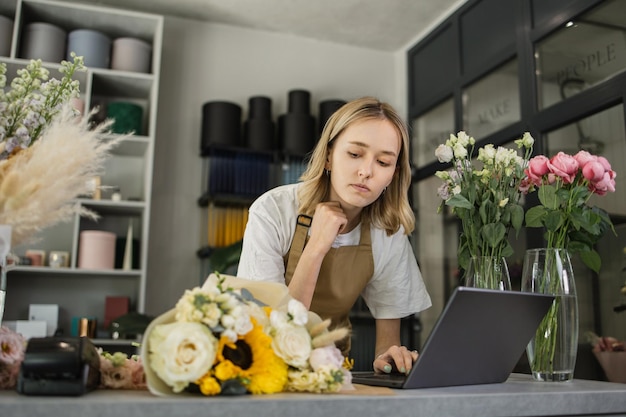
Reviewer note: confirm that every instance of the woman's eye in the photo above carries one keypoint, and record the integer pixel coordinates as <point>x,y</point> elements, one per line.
<point>353,155</point>
<point>384,164</point>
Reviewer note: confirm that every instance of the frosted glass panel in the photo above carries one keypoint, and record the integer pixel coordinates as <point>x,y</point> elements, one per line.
<point>429,131</point>
<point>493,102</point>
<point>587,51</point>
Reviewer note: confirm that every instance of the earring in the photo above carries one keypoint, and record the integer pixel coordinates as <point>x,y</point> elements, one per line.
<point>327,172</point>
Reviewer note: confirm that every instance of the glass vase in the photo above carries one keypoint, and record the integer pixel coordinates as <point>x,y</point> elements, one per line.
<point>489,272</point>
<point>552,351</point>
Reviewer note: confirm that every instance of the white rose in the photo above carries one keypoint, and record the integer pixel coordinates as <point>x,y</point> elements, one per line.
<point>293,345</point>
<point>326,356</point>
<point>181,353</point>
<point>444,153</point>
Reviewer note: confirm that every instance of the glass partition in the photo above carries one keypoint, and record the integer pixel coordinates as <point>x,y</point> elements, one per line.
<point>429,131</point>
<point>587,51</point>
<point>493,102</point>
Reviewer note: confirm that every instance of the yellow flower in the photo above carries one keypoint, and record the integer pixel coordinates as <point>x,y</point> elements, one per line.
<point>252,361</point>
<point>209,385</point>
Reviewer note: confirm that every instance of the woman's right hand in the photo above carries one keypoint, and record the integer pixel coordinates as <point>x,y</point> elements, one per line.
<point>329,219</point>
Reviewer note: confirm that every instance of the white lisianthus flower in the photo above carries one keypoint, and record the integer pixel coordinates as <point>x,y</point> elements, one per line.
<point>456,190</point>
<point>181,353</point>
<point>487,154</point>
<point>504,202</point>
<point>443,175</point>
<point>278,319</point>
<point>460,151</point>
<point>444,153</point>
<point>463,139</point>
<point>298,312</point>
<point>292,344</point>
<point>328,355</point>
<point>527,140</point>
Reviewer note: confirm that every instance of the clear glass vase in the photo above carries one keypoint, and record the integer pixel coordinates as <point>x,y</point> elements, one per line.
<point>489,272</point>
<point>552,351</point>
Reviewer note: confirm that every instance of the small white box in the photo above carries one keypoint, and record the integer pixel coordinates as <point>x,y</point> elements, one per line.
<point>45,312</point>
<point>31,328</point>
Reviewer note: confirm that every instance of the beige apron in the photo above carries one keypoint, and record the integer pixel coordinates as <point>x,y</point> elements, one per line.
<point>344,273</point>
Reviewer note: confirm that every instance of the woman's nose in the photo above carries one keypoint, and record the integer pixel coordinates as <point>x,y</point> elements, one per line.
<point>365,170</point>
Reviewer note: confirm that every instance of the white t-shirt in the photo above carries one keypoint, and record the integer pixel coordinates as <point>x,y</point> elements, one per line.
<point>396,290</point>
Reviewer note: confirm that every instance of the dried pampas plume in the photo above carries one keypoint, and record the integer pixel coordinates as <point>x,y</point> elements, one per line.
<point>321,336</point>
<point>39,185</point>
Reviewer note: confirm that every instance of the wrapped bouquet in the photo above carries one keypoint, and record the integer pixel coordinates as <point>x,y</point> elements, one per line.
<point>236,336</point>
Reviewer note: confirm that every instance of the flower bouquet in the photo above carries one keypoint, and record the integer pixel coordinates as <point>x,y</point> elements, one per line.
<point>236,336</point>
<point>564,184</point>
<point>486,198</point>
<point>611,354</point>
<point>12,347</point>
<point>118,371</point>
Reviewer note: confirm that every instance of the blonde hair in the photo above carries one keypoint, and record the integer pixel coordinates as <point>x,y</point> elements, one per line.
<point>392,208</point>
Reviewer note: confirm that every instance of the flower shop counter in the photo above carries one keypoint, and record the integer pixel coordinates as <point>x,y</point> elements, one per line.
<point>519,396</point>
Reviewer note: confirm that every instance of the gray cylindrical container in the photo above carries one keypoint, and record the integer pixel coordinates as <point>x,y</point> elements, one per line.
<point>92,45</point>
<point>43,41</point>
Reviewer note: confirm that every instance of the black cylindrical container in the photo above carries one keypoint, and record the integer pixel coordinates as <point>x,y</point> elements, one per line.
<point>299,101</point>
<point>327,108</point>
<point>221,125</point>
<point>259,131</point>
<point>296,128</point>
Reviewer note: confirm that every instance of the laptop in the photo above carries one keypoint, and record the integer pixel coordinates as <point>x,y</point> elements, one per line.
<point>478,339</point>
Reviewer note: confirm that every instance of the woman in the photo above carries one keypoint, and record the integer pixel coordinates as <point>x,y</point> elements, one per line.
<point>343,231</point>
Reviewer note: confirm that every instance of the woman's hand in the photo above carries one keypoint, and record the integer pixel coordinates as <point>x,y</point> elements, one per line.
<point>395,359</point>
<point>328,220</point>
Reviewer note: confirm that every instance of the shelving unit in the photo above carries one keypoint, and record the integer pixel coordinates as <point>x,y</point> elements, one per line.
<point>81,292</point>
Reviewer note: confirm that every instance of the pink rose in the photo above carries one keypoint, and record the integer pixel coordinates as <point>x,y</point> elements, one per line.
<point>584,157</point>
<point>593,171</point>
<point>326,356</point>
<point>564,166</point>
<point>605,163</point>
<point>537,168</point>
<point>606,184</point>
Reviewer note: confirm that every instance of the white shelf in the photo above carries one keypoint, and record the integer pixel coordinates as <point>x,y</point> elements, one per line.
<point>77,291</point>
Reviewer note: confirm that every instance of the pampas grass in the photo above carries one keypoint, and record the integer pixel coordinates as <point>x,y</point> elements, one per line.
<point>39,184</point>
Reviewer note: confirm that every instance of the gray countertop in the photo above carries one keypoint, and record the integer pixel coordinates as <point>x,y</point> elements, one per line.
<point>519,396</point>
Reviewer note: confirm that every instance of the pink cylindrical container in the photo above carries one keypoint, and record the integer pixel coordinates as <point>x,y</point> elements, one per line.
<point>96,250</point>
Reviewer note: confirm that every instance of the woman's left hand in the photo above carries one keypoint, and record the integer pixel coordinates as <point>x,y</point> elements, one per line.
<point>395,359</point>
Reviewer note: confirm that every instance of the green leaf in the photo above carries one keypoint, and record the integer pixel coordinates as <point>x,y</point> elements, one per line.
<point>548,197</point>
<point>592,260</point>
<point>517,216</point>
<point>493,233</point>
<point>458,200</point>
<point>535,215</point>
<point>554,220</point>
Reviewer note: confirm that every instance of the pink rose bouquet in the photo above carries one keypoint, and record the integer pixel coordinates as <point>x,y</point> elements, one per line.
<point>118,371</point>
<point>12,346</point>
<point>565,183</point>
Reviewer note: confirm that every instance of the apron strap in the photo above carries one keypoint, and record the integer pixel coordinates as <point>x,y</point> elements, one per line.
<point>297,245</point>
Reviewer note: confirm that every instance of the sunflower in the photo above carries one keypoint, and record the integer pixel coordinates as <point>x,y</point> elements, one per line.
<point>252,362</point>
